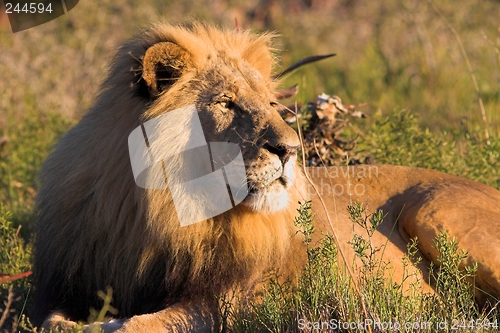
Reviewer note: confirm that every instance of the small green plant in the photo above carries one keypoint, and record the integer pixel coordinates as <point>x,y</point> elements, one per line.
<point>363,247</point>
<point>304,222</point>
<point>14,259</point>
<point>387,301</point>
<point>454,282</point>
<point>315,286</point>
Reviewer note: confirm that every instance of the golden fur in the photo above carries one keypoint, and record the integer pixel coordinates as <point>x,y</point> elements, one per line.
<point>96,228</point>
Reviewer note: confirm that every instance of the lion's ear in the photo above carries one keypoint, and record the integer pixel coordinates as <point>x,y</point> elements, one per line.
<point>162,65</point>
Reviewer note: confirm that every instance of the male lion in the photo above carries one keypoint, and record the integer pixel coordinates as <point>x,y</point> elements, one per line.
<point>96,228</point>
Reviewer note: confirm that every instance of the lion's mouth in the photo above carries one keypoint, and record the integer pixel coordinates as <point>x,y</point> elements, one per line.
<point>276,179</point>
<point>272,198</point>
<point>281,181</point>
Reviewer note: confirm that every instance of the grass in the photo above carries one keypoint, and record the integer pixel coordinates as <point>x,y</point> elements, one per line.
<point>29,138</point>
<point>15,258</point>
<point>397,138</point>
<point>401,63</point>
<point>325,299</point>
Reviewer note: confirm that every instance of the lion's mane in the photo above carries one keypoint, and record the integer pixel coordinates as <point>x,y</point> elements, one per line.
<point>96,228</point>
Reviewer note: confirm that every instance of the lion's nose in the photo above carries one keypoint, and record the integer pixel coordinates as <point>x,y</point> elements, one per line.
<point>283,151</point>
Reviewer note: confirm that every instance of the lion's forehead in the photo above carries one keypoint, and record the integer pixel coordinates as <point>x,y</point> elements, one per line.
<point>238,77</point>
<point>253,77</point>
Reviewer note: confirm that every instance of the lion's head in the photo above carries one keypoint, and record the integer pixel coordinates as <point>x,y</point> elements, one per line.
<point>229,81</point>
<point>96,228</point>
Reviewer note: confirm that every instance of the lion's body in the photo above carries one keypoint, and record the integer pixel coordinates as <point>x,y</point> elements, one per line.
<point>416,203</point>
<point>96,228</point>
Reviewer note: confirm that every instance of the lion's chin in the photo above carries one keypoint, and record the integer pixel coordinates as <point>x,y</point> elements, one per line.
<point>276,196</point>
<point>269,200</point>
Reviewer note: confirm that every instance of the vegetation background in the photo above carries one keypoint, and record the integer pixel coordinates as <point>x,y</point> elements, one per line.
<point>419,69</point>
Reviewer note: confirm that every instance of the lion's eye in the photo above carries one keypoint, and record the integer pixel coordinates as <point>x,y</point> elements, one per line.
<point>274,104</point>
<point>225,104</point>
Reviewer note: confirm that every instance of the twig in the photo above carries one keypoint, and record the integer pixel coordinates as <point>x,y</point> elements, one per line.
<point>496,51</point>
<point>7,278</point>
<point>469,67</point>
<point>8,304</point>
<point>21,314</point>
